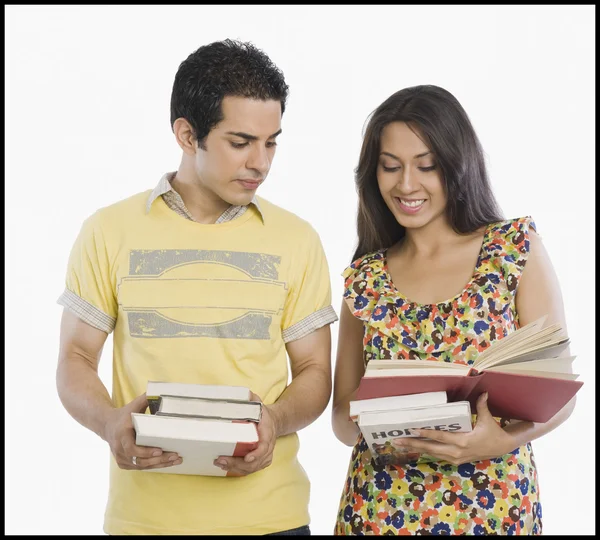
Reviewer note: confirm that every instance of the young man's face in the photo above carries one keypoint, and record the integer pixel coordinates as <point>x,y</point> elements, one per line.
<point>238,152</point>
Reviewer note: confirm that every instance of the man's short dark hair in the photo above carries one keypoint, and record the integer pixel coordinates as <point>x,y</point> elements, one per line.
<point>220,69</point>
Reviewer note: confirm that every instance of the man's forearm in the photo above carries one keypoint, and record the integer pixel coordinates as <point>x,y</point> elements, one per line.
<point>303,401</point>
<point>83,394</point>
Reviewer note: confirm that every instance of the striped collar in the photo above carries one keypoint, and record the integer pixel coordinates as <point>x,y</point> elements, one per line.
<point>174,201</point>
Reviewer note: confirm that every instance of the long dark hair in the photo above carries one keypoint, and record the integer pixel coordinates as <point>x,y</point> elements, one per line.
<point>440,119</point>
<point>220,69</point>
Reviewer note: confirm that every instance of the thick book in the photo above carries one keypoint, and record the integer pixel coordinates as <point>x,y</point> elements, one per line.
<point>391,403</point>
<point>200,422</point>
<point>219,409</point>
<point>523,373</point>
<point>156,389</point>
<point>380,429</point>
<point>199,441</point>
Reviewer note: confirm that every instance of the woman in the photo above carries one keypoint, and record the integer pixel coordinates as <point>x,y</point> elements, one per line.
<point>438,274</point>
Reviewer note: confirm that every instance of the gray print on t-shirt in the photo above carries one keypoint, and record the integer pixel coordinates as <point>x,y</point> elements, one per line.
<point>157,303</point>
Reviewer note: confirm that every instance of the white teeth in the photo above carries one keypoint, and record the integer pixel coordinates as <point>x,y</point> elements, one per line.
<point>412,204</point>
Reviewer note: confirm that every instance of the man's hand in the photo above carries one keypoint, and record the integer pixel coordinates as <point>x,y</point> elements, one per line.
<point>487,440</point>
<point>259,458</point>
<point>120,435</point>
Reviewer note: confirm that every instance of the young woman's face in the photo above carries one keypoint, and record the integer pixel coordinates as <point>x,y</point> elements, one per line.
<point>409,178</point>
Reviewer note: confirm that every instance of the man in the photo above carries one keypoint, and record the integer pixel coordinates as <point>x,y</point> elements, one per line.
<point>203,282</point>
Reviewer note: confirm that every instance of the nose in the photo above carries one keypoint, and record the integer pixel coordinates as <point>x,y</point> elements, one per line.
<point>406,182</point>
<point>259,160</point>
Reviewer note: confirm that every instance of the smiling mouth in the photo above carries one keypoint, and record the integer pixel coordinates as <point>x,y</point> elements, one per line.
<point>412,203</point>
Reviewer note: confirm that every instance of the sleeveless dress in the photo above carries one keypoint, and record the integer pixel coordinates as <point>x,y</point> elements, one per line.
<point>494,496</point>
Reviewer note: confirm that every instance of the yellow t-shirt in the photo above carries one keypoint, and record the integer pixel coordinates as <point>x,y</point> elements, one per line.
<point>207,304</point>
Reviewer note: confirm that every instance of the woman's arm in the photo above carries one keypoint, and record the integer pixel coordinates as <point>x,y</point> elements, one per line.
<point>349,368</point>
<point>538,294</point>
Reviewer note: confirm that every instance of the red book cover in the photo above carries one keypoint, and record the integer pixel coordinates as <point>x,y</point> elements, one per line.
<point>456,386</point>
<point>510,395</point>
<point>523,397</point>
<point>243,448</point>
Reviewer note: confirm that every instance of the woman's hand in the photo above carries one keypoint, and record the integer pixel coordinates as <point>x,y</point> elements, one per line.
<point>487,440</point>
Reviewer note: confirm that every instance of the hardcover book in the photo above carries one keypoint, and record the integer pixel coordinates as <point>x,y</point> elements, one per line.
<point>198,441</point>
<point>391,403</point>
<point>200,423</point>
<point>523,373</point>
<point>219,409</point>
<point>381,429</point>
<point>156,389</point>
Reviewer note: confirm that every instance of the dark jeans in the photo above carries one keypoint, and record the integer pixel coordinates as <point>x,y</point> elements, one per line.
<point>300,531</point>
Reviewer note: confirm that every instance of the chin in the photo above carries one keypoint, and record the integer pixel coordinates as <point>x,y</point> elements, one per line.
<point>239,199</point>
<point>412,222</point>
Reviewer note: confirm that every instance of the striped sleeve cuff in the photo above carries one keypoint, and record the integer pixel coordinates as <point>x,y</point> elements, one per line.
<point>87,312</point>
<point>309,324</point>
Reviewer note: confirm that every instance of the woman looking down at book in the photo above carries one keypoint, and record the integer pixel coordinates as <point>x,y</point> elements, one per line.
<point>438,275</point>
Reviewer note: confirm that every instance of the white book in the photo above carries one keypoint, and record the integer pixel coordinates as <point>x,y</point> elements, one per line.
<point>209,408</point>
<point>156,389</point>
<point>216,391</point>
<point>396,402</point>
<point>379,429</point>
<point>198,441</point>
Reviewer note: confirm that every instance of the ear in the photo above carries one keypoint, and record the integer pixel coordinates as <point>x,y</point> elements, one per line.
<point>185,136</point>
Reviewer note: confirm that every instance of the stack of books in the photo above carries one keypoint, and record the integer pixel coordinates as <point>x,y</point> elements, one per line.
<point>382,420</point>
<point>199,422</point>
<point>524,374</point>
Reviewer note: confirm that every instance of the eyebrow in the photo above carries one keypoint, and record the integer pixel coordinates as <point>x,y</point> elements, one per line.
<point>396,157</point>
<point>249,137</point>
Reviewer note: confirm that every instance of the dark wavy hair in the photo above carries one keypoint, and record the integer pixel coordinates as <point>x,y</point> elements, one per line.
<point>438,117</point>
<point>220,69</point>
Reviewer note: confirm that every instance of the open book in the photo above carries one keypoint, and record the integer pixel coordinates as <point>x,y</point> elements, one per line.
<point>200,423</point>
<point>524,375</point>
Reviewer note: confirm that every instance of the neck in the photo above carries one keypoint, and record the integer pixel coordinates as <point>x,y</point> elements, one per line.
<point>204,205</point>
<point>427,241</point>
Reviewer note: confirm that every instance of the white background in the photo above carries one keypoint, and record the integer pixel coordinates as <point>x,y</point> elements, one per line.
<point>87,124</point>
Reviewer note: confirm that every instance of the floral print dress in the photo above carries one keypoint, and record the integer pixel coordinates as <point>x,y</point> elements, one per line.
<point>494,496</point>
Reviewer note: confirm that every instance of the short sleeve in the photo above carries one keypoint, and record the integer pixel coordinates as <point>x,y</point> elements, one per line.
<point>89,292</point>
<point>511,246</point>
<point>308,303</point>
<point>361,284</point>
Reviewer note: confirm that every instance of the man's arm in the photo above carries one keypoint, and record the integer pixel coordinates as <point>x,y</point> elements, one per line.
<point>300,404</point>
<point>79,387</point>
<point>86,399</point>
<point>305,399</point>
